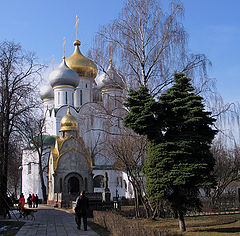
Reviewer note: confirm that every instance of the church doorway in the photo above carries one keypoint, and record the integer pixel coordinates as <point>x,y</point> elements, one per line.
<point>73,185</point>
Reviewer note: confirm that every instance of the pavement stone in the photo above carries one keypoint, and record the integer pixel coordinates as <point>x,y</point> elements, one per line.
<point>52,222</point>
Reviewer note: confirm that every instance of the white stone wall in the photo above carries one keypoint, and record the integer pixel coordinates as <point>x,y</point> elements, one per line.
<point>63,96</point>
<point>117,183</point>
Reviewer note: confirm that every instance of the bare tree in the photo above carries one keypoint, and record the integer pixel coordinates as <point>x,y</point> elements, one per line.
<point>150,45</point>
<point>128,152</point>
<point>227,166</point>
<point>18,78</point>
<point>39,145</point>
<point>14,163</point>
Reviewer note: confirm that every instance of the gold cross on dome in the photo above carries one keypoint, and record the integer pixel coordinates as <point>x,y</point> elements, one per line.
<point>64,43</point>
<point>76,26</point>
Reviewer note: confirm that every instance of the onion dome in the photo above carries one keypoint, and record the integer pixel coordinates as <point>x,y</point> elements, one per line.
<point>63,76</point>
<point>46,92</point>
<point>81,64</point>
<point>68,122</point>
<point>110,79</point>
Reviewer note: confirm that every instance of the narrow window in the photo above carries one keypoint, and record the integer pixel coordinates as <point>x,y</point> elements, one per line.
<point>66,98</point>
<point>86,184</point>
<point>86,85</point>
<point>29,168</point>
<point>115,101</point>
<point>58,98</point>
<point>72,99</point>
<point>60,185</point>
<point>80,97</point>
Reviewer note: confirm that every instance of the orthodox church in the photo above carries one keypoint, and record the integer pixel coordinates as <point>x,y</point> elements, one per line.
<point>82,110</point>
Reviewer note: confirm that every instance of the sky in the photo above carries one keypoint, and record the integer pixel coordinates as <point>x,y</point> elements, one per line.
<point>213,27</point>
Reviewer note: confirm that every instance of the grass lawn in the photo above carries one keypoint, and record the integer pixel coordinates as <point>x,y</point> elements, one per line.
<point>195,225</point>
<point>199,225</point>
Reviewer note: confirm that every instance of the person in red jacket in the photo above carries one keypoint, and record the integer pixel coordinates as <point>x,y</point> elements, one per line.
<point>21,204</point>
<point>33,201</point>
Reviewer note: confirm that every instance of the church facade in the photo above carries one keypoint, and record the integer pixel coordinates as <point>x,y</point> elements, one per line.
<point>82,111</point>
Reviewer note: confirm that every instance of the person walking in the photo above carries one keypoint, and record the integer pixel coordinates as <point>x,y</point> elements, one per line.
<point>82,205</point>
<point>29,201</point>
<point>36,201</point>
<point>21,204</point>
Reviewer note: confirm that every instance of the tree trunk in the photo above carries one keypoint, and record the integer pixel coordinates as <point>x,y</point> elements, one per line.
<point>155,213</point>
<point>43,186</point>
<point>136,202</point>
<point>181,221</point>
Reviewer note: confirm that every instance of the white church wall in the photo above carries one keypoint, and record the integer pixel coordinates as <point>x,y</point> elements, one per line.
<point>30,174</point>
<point>118,183</point>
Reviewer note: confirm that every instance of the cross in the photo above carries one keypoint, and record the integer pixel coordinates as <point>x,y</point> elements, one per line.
<point>64,43</point>
<point>76,26</point>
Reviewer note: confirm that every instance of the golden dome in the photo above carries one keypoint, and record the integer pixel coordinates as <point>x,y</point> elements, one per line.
<point>81,64</point>
<point>68,122</point>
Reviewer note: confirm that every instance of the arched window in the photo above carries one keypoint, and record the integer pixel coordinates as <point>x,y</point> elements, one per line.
<point>98,181</point>
<point>125,185</point>
<point>81,99</point>
<point>29,168</point>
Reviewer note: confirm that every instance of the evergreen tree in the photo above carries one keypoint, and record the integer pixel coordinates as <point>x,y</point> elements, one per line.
<point>179,161</point>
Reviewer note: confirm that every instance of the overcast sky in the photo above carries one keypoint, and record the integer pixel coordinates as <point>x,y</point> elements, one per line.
<point>40,26</point>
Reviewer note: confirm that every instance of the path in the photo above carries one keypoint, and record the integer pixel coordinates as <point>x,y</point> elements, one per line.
<point>52,222</point>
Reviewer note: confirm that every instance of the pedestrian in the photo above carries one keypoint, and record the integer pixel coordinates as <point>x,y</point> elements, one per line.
<point>81,208</point>
<point>36,200</point>
<point>33,200</point>
<point>29,201</point>
<point>21,204</point>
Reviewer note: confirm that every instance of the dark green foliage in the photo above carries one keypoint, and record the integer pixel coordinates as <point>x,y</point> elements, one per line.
<point>179,132</point>
<point>141,118</point>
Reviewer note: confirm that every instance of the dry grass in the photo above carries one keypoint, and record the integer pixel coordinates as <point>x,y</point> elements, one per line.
<point>100,230</point>
<point>198,225</point>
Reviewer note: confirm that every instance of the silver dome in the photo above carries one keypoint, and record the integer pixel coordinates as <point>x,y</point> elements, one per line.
<point>63,75</point>
<point>111,79</point>
<point>46,92</point>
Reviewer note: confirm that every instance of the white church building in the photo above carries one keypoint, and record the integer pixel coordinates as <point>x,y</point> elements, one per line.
<point>81,111</point>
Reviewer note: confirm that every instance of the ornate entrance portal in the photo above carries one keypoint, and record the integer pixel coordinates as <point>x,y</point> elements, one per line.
<point>73,185</point>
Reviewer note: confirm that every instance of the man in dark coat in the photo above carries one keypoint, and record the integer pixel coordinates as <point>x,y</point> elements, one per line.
<point>81,208</point>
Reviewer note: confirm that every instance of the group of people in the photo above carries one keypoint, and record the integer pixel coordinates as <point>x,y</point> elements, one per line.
<point>82,205</point>
<point>32,201</point>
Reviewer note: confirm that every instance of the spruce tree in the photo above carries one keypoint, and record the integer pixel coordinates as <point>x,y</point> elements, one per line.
<point>179,161</point>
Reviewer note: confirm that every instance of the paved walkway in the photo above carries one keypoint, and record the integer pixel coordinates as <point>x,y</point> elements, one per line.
<point>52,222</point>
